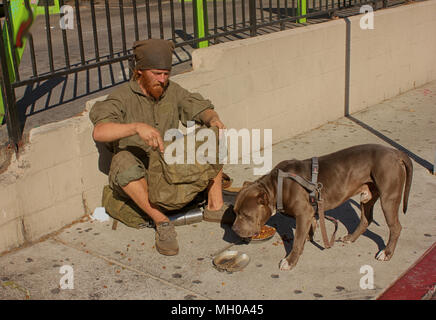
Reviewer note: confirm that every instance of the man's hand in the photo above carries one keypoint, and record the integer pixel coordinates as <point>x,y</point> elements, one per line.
<point>211,119</point>
<point>217,123</point>
<point>150,135</point>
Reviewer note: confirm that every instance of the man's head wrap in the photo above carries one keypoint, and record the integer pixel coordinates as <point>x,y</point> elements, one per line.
<point>153,54</point>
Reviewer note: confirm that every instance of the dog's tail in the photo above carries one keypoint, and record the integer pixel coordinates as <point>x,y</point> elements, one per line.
<point>409,174</point>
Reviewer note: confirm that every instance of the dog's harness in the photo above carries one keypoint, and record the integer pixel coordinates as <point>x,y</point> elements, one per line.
<point>314,187</point>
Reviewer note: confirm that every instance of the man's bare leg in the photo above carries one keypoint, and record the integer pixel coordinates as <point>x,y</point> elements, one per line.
<point>214,193</point>
<point>166,241</point>
<point>137,190</point>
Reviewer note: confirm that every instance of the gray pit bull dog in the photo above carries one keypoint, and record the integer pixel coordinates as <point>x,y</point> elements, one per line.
<point>371,170</point>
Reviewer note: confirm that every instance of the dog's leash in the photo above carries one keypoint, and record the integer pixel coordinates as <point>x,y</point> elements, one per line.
<point>317,203</point>
<point>314,187</point>
<point>327,244</point>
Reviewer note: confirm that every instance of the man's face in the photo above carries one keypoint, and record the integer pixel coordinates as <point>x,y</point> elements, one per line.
<point>154,81</point>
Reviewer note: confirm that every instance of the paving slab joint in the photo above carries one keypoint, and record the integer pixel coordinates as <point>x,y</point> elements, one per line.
<point>145,274</point>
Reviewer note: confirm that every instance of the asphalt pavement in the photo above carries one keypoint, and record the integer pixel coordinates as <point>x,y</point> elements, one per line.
<point>88,260</point>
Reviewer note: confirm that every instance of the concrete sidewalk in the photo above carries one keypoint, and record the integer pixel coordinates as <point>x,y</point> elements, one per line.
<point>124,264</point>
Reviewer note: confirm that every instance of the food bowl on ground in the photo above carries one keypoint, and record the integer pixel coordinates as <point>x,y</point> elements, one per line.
<point>265,233</point>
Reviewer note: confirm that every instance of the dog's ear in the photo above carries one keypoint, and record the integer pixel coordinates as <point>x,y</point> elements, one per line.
<point>262,198</point>
<point>246,183</point>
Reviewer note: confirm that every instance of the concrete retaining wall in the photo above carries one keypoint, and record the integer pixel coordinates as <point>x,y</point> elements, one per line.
<point>57,179</point>
<point>291,81</point>
<point>398,55</point>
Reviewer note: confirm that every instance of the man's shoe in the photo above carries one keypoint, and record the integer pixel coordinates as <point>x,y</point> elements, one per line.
<point>224,215</point>
<point>166,239</point>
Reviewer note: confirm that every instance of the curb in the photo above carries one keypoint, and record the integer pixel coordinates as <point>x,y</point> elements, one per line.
<point>418,282</point>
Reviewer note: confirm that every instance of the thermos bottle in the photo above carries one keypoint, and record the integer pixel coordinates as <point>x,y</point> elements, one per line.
<point>187,217</point>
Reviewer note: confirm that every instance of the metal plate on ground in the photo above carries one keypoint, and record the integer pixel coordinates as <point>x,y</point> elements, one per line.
<point>231,261</point>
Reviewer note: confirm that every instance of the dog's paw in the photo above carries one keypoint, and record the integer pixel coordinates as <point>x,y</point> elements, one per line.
<point>284,265</point>
<point>346,239</point>
<point>383,256</point>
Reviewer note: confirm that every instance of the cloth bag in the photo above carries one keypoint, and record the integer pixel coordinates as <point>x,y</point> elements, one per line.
<point>171,186</point>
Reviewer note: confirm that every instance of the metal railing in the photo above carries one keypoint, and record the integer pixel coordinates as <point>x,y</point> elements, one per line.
<point>104,31</point>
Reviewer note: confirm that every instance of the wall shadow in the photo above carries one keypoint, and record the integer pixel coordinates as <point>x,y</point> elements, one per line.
<point>422,162</point>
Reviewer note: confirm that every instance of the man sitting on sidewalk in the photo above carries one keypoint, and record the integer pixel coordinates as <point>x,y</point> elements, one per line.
<point>134,118</point>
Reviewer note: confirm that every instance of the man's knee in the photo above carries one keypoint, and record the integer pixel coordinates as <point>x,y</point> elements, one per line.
<point>125,168</point>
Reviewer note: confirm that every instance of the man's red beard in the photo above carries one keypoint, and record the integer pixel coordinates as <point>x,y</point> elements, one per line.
<point>152,87</point>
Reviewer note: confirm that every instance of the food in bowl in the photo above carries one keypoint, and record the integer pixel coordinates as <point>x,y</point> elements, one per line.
<point>265,233</point>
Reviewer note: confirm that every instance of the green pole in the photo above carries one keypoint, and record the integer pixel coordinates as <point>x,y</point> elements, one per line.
<point>301,10</point>
<point>202,23</point>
